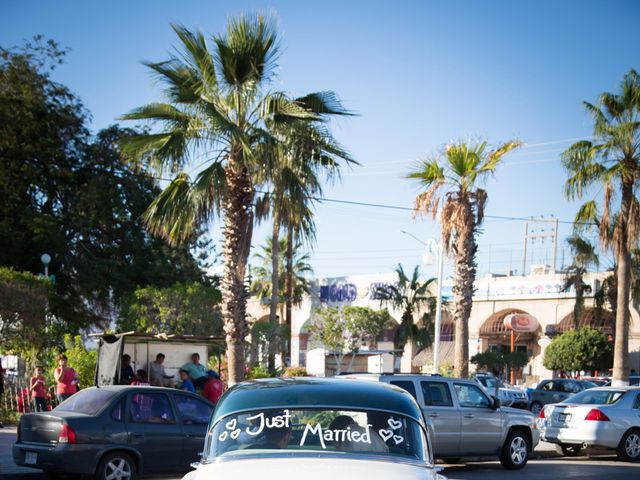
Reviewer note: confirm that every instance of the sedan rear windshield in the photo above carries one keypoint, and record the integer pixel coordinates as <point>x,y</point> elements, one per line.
<point>317,431</point>
<point>596,397</point>
<point>89,401</point>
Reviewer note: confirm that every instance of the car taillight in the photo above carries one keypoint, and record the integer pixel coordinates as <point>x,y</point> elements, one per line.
<point>66,435</point>
<point>597,415</point>
<point>541,413</point>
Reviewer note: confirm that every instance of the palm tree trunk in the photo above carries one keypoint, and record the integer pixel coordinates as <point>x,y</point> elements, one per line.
<point>273,308</point>
<point>465,275</point>
<point>238,230</point>
<point>288,286</point>
<point>621,345</point>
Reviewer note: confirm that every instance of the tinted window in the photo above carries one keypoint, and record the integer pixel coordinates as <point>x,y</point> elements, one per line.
<point>89,401</point>
<point>570,387</point>
<point>634,381</point>
<point>117,413</point>
<point>406,385</point>
<point>150,408</point>
<point>547,386</point>
<point>637,402</point>
<point>436,394</point>
<point>193,411</point>
<point>471,396</point>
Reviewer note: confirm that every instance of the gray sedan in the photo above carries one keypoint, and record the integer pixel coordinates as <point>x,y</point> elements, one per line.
<point>115,433</point>
<point>604,417</point>
<point>554,391</point>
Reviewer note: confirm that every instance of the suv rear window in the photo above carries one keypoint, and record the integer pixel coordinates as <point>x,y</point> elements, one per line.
<point>406,385</point>
<point>436,394</point>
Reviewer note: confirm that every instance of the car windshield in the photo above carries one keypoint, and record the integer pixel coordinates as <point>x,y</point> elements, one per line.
<point>596,397</point>
<point>317,431</point>
<point>89,401</point>
<point>490,382</point>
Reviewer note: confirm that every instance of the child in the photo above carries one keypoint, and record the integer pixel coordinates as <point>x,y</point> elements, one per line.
<point>186,384</point>
<point>140,378</point>
<point>38,390</point>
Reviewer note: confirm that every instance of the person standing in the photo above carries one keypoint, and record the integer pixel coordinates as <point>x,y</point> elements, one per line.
<point>196,371</point>
<point>158,376</point>
<point>66,379</point>
<point>38,390</point>
<point>126,370</point>
<point>141,378</point>
<point>214,387</point>
<point>1,385</point>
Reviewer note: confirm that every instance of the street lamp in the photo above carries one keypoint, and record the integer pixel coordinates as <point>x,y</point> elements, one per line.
<point>45,258</point>
<point>434,248</point>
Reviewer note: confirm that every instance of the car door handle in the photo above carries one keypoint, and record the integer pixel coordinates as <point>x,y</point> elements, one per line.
<point>468,415</point>
<point>434,415</point>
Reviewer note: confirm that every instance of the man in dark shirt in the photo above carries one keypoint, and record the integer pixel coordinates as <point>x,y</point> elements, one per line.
<point>126,370</point>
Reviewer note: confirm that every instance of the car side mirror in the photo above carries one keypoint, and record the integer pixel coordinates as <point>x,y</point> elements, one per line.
<point>496,403</point>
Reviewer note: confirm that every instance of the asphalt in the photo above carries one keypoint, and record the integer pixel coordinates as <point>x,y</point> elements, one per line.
<point>9,470</point>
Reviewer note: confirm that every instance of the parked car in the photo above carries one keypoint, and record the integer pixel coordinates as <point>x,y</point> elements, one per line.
<point>116,432</point>
<point>603,417</point>
<point>508,395</point>
<point>316,428</point>
<point>554,391</point>
<point>466,420</point>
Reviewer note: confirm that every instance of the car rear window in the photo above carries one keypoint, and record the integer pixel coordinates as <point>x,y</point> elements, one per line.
<point>596,397</point>
<point>89,401</point>
<point>316,432</point>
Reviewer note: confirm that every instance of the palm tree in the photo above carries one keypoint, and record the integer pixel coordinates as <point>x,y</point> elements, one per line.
<point>451,179</point>
<point>307,153</point>
<point>584,256</point>
<point>410,296</point>
<point>612,160</point>
<point>221,113</point>
<point>262,286</point>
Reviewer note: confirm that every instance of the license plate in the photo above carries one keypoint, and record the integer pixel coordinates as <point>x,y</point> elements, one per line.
<point>564,418</point>
<point>31,458</point>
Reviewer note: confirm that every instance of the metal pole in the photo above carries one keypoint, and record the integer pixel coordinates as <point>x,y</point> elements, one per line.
<point>524,256</point>
<point>555,246</point>
<point>436,342</point>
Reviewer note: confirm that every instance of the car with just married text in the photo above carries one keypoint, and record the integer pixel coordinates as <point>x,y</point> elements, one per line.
<point>316,427</point>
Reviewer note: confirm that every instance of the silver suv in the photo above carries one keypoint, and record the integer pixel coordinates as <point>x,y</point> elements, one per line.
<point>467,422</point>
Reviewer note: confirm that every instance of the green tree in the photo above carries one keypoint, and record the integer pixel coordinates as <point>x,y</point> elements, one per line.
<point>411,296</point>
<point>24,300</point>
<point>584,256</point>
<point>490,360</point>
<point>344,331</point>
<point>74,196</point>
<point>219,107</point>
<point>451,180</point>
<point>576,350</point>
<point>182,309</point>
<point>612,161</point>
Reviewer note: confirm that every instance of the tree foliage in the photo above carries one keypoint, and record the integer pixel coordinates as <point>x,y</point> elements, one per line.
<point>24,300</point>
<point>74,196</point>
<point>80,358</point>
<point>182,309</point>
<point>496,362</point>
<point>344,331</point>
<point>576,350</point>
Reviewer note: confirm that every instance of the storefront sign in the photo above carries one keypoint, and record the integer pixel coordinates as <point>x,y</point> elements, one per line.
<point>520,322</point>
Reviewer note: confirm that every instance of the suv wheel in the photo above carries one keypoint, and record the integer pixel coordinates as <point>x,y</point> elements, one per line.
<point>116,466</point>
<point>535,408</point>
<point>629,448</point>
<point>515,451</point>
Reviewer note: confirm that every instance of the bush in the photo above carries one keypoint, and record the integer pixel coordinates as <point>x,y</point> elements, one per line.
<point>258,372</point>
<point>576,350</point>
<point>295,372</point>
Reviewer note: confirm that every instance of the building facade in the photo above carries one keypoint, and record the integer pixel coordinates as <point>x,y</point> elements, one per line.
<point>539,295</point>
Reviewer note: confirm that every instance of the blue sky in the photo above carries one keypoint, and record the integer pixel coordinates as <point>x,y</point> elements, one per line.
<point>419,74</point>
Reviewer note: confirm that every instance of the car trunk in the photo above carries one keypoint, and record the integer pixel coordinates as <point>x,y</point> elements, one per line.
<point>40,428</point>
<point>569,415</point>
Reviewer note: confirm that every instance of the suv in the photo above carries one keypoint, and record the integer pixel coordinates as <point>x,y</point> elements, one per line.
<point>467,422</point>
<point>555,391</point>
<point>508,395</point>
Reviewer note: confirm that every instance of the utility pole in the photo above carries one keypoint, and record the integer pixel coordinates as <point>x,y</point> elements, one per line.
<point>540,228</point>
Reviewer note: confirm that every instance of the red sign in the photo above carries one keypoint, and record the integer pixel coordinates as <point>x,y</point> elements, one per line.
<point>520,322</point>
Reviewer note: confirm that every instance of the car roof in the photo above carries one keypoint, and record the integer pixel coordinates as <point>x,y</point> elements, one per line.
<point>311,393</point>
<point>625,388</point>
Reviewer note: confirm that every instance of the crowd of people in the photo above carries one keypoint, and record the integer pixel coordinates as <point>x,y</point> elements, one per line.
<point>193,377</point>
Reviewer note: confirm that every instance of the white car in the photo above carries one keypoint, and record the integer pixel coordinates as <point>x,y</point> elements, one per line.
<point>316,429</point>
<point>603,417</point>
